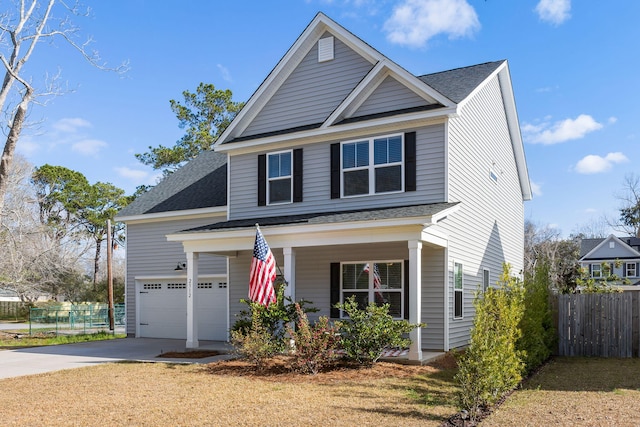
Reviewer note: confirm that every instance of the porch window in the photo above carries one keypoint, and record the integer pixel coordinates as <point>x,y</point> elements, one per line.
<point>631,269</point>
<point>374,281</point>
<point>373,165</point>
<point>458,289</point>
<point>279,177</point>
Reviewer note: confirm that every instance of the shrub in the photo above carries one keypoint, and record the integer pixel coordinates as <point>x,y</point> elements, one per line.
<point>491,365</point>
<point>538,335</point>
<point>274,317</point>
<point>316,346</point>
<point>367,333</point>
<point>256,343</point>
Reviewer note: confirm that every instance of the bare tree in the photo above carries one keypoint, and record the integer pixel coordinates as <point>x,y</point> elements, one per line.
<point>33,261</point>
<point>21,30</point>
<point>628,222</point>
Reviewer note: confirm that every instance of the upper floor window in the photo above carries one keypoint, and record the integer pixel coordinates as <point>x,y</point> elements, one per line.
<point>279,177</point>
<point>373,165</point>
<point>458,291</point>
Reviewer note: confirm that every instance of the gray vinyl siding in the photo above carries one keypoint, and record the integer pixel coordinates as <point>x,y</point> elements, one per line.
<point>316,181</point>
<point>605,252</point>
<point>488,229</point>
<point>312,91</point>
<point>150,254</point>
<point>313,279</point>
<point>390,95</point>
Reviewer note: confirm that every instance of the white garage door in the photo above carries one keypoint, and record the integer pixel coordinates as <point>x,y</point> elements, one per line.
<point>163,309</point>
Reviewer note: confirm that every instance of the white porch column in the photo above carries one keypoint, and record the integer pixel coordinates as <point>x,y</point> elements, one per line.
<point>290,272</point>
<point>192,287</point>
<point>415,298</point>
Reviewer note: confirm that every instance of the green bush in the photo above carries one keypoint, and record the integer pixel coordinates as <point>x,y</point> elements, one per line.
<point>367,333</point>
<point>315,346</point>
<point>256,343</point>
<point>491,365</point>
<point>538,334</point>
<point>274,317</point>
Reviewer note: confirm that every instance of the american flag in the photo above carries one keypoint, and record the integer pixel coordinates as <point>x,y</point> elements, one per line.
<point>263,273</point>
<point>377,281</point>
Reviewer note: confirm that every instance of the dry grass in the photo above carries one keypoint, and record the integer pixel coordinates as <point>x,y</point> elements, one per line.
<point>575,392</point>
<point>228,393</point>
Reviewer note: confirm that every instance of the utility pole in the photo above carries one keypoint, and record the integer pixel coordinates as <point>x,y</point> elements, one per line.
<point>110,276</point>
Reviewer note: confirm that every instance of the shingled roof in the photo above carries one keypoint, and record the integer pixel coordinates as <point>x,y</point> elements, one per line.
<point>201,183</point>
<point>457,84</point>
<point>330,217</point>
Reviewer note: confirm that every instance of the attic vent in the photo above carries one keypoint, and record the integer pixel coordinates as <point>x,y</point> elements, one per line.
<point>612,245</point>
<point>325,49</point>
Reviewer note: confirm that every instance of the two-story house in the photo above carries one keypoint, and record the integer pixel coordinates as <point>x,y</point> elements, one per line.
<point>612,256</point>
<point>366,180</point>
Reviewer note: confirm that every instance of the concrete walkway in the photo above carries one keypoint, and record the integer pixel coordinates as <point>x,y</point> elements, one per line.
<point>37,360</point>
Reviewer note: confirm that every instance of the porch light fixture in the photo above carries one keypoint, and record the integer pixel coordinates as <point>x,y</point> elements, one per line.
<point>181,266</point>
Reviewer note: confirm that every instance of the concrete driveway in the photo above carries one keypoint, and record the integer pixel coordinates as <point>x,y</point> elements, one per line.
<point>29,361</point>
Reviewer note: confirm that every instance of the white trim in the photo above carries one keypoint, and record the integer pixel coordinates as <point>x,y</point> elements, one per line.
<point>390,124</point>
<point>447,295</point>
<point>174,215</point>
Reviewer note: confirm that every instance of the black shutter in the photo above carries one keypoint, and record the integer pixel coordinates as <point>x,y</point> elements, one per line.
<point>334,294</point>
<point>624,269</point>
<point>410,161</point>
<point>335,170</point>
<point>297,175</point>
<point>406,289</point>
<point>262,180</point>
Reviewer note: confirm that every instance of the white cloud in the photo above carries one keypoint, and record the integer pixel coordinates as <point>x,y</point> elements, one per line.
<point>88,147</point>
<point>135,175</point>
<point>565,130</point>
<point>592,163</point>
<point>414,22</point>
<point>554,11</point>
<point>224,71</point>
<point>536,189</point>
<point>70,125</point>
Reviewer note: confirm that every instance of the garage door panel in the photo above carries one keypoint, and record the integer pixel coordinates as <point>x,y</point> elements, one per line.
<point>163,310</point>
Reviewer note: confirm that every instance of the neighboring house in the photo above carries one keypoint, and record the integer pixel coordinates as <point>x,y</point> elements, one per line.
<point>346,161</point>
<point>619,256</point>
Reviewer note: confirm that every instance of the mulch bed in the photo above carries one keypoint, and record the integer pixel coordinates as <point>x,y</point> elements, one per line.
<point>278,369</point>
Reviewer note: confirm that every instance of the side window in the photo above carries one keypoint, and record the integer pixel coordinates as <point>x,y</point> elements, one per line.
<point>279,177</point>
<point>631,269</point>
<point>458,289</point>
<point>596,271</point>
<point>485,279</point>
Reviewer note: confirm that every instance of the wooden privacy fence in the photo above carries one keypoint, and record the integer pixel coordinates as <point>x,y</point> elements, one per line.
<point>605,325</point>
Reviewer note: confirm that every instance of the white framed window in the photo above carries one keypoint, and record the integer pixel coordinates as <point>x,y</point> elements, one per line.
<point>371,166</point>
<point>596,271</point>
<point>631,269</point>
<point>458,290</point>
<point>485,279</point>
<point>279,177</point>
<point>374,281</point>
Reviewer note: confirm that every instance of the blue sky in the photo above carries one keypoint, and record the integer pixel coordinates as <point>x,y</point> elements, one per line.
<point>574,68</point>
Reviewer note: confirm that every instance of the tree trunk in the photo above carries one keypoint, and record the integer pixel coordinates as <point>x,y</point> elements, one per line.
<point>10,145</point>
<point>96,264</point>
